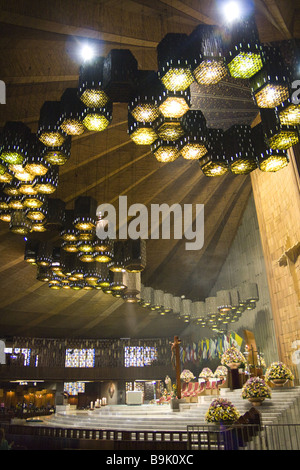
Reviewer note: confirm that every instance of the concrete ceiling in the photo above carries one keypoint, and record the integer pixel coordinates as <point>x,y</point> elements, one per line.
<point>39,59</point>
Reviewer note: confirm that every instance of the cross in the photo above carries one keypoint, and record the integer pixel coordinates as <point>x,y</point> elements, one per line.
<point>176,356</point>
<point>289,259</point>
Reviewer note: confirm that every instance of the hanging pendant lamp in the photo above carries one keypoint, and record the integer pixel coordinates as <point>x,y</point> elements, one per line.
<point>214,162</point>
<point>278,136</point>
<point>207,55</point>
<point>244,52</point>
<point>239,149</point>
<point>193,145</point>
<point>174,69</point>
<point>270,86</point>
<point>268,159</point>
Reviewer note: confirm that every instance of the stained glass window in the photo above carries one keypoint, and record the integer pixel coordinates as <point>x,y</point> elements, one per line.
<point>139,356</point>
<point>15,352</point>
<point>73,388</point>
<point>80,358</point>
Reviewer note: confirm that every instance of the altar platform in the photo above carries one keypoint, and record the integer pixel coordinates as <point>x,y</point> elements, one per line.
<point>155,417</point>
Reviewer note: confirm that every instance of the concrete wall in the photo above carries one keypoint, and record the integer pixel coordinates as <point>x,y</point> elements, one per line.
<point>277,204</point>
<point>245,263</point>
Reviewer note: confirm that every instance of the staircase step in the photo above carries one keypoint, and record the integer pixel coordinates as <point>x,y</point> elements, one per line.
<point>155,417</point>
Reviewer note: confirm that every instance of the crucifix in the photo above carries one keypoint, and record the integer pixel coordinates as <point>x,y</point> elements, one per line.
<point>176,363</point>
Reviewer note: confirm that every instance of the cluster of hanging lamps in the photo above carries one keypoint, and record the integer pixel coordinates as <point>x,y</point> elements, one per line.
<point>32,179</point>
<point>68,270</point>
<point>215,312</point>
<point>207,56</point>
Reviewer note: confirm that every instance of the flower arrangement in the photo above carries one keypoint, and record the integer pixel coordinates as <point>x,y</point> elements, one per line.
<point>206,373</point>
<point>187,375</point>
<point>232,356</point>
<point>256,387</point>
<point>221,371</point>
<point>221,411</point>
<point>278,370</point>
<point>168,395</point>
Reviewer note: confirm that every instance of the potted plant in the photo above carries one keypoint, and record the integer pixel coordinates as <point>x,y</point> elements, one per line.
<point>256,390</point>
<point>220,372</point>
<point>232,358</point>
<point>186,375</point>
<point>222,411</point>
<point>206,373</point>
<point>278,373</point>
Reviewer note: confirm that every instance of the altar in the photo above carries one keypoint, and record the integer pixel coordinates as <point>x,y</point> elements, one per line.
<point>134,397</point>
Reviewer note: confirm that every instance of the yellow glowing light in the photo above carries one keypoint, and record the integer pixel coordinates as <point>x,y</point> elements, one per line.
<point>290,116</point>
<point>11,190</point>
<point>75,287</point>
<point>85,247</point>
<point>86,257</point>
<point>245,65</point>
<point>95,122</point>
<point>16,204</point>
<point>37,169</point>
<point>94,98</point>
<point>56,157</point>
<point>271,96</point>
<point>193,151</point>
<point>174,107</point>
<point>166,154</point>
<point>24,176</point>
<point>146,112</point>
<point>38,228</point>
<point>170,131</point>
<point>45,188</point>
<point>72,127</point>
<point>22,230</point>
<point>66,286</point>
<point>273,163</point>
<point>70,247</point>
<point>210,72</point>
<point>215,169</point>
<point>103,283</point>
<point>242,167</point>
<point>35,215</point>
<point>12,157</point>
<point>144,136</point>
<point>283,140</point>
<point>88,287</point>
<point>28,189</point>
<point>84,225</point>
<point>6,178</point>
<point>5,216</point>
<point>102,258</point>
<point>70,237</point>
<point>177,79</point>
<point>32,202</point>
<point>52,139</point>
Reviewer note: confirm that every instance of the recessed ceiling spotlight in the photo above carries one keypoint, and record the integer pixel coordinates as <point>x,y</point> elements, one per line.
<point>232,11</point>
<point>87,52</point>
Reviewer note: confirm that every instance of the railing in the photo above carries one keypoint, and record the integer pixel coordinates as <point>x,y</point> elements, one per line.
<point>204,437</point>
<point>244,437</point>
